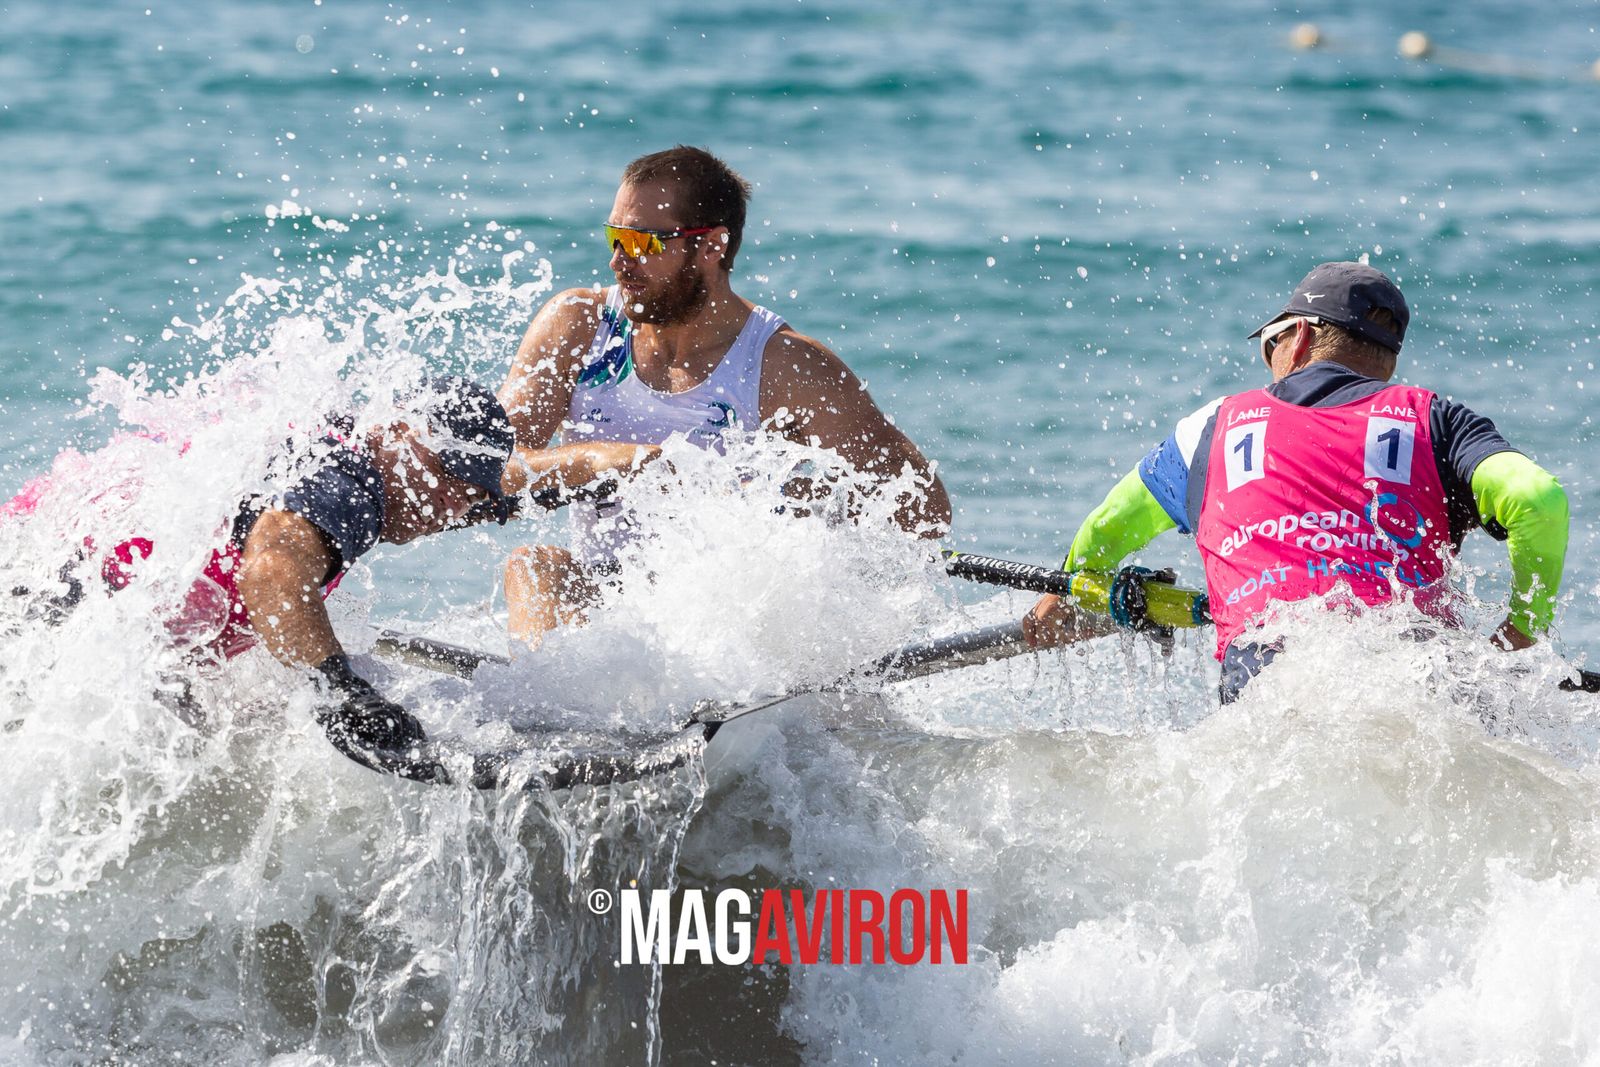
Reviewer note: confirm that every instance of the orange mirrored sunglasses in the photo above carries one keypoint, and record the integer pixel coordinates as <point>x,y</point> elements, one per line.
<point>635,242</point>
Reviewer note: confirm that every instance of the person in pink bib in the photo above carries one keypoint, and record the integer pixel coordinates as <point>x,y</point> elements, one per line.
<point>439,468</point>
<point>1332,482</point>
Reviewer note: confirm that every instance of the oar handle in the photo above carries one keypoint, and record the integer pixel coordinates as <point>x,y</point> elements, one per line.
<point>1165,604</point>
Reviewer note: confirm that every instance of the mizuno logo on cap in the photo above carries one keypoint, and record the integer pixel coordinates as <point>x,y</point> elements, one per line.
<point>1314,296</point>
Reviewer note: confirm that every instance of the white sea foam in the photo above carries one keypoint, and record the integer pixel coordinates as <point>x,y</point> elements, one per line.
<point>1385,852</point>
<point>1344,866</point>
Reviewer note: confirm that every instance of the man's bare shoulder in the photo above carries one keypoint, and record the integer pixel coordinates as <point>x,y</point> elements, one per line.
<point>560,334</point>
<point>794,358</point>
<point>803,379</point>
<point>578,306</point>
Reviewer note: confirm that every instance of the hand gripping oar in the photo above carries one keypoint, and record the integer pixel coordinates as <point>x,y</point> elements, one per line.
<point>427,761</point>
<point>1128,596</point>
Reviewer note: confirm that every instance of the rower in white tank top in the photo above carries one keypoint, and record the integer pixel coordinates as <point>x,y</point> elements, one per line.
<point>610,403</point>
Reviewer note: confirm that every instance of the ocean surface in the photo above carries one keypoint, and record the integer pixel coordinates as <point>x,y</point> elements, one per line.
<point>1040,232</point>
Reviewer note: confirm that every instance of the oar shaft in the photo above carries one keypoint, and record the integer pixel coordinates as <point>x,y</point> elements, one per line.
<point>969,649</point>
<point>1009,573</point>
<point>1165,604</point>
<point>433,655</point>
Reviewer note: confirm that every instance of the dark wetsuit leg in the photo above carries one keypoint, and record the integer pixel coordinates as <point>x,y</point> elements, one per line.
<point>1241,662</point>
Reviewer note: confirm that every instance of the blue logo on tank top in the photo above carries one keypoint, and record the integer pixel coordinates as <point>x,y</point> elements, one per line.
<point>725,419</point>
<point>615,364</point>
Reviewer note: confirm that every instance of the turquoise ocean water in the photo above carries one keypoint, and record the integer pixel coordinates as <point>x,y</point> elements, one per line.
<point>1040,232</point>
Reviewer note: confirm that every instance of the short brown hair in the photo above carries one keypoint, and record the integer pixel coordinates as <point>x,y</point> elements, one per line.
<point>1340,345</point>
<point>715,194</point>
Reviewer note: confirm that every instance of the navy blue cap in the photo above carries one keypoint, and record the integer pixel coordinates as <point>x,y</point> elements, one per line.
<point>1343,293</point>
<point>479,435</point>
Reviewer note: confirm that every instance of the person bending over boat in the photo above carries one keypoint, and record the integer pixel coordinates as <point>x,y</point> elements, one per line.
<point>439,467</point>
<point>672,349</point>
<point>1328,478</point>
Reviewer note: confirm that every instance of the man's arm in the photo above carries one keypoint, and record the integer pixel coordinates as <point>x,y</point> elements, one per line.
<point>555,477</point>
<point>1520,497</point>
<point>811,397</point>
<point>550,472</point>
<point>285,562</point>
<point>1129,518</point>
<point>538,389</point>
<point>1515,500</point>
<point>1151,498</point>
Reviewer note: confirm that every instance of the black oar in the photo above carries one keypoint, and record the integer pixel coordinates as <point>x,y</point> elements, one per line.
<point>1162,602</point>
<point>427,762</point>
<point>432,655</point>
<point>1159,601</point>
<point>913,661</point>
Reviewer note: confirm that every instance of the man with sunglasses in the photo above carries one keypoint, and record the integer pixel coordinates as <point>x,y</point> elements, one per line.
<point>1330,481</point>
<point>672,349</point>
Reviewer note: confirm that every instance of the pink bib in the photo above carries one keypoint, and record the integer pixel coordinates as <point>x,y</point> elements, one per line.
<point>213,614</point>
<point>1299,500</point>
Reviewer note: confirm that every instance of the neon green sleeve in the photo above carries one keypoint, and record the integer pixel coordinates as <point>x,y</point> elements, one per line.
<point>1128,519</point>
<point>1526,500</point>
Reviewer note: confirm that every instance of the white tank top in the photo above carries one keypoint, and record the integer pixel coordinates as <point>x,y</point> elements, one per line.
<point>610,403</point>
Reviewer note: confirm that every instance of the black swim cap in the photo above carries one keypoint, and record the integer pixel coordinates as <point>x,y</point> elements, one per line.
<point>475,435</point>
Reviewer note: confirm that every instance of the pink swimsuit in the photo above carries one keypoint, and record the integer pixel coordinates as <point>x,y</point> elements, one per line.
<point>213,606</point>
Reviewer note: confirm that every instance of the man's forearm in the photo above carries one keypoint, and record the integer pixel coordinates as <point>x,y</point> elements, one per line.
<point>540,470</point>
<point>530,465</point>
<point>301,635</point>
<point>280,583</point>
<point>1128,519</point>
<point>923,508</point>
<point>1530,505</point>
<point>927,512</point>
